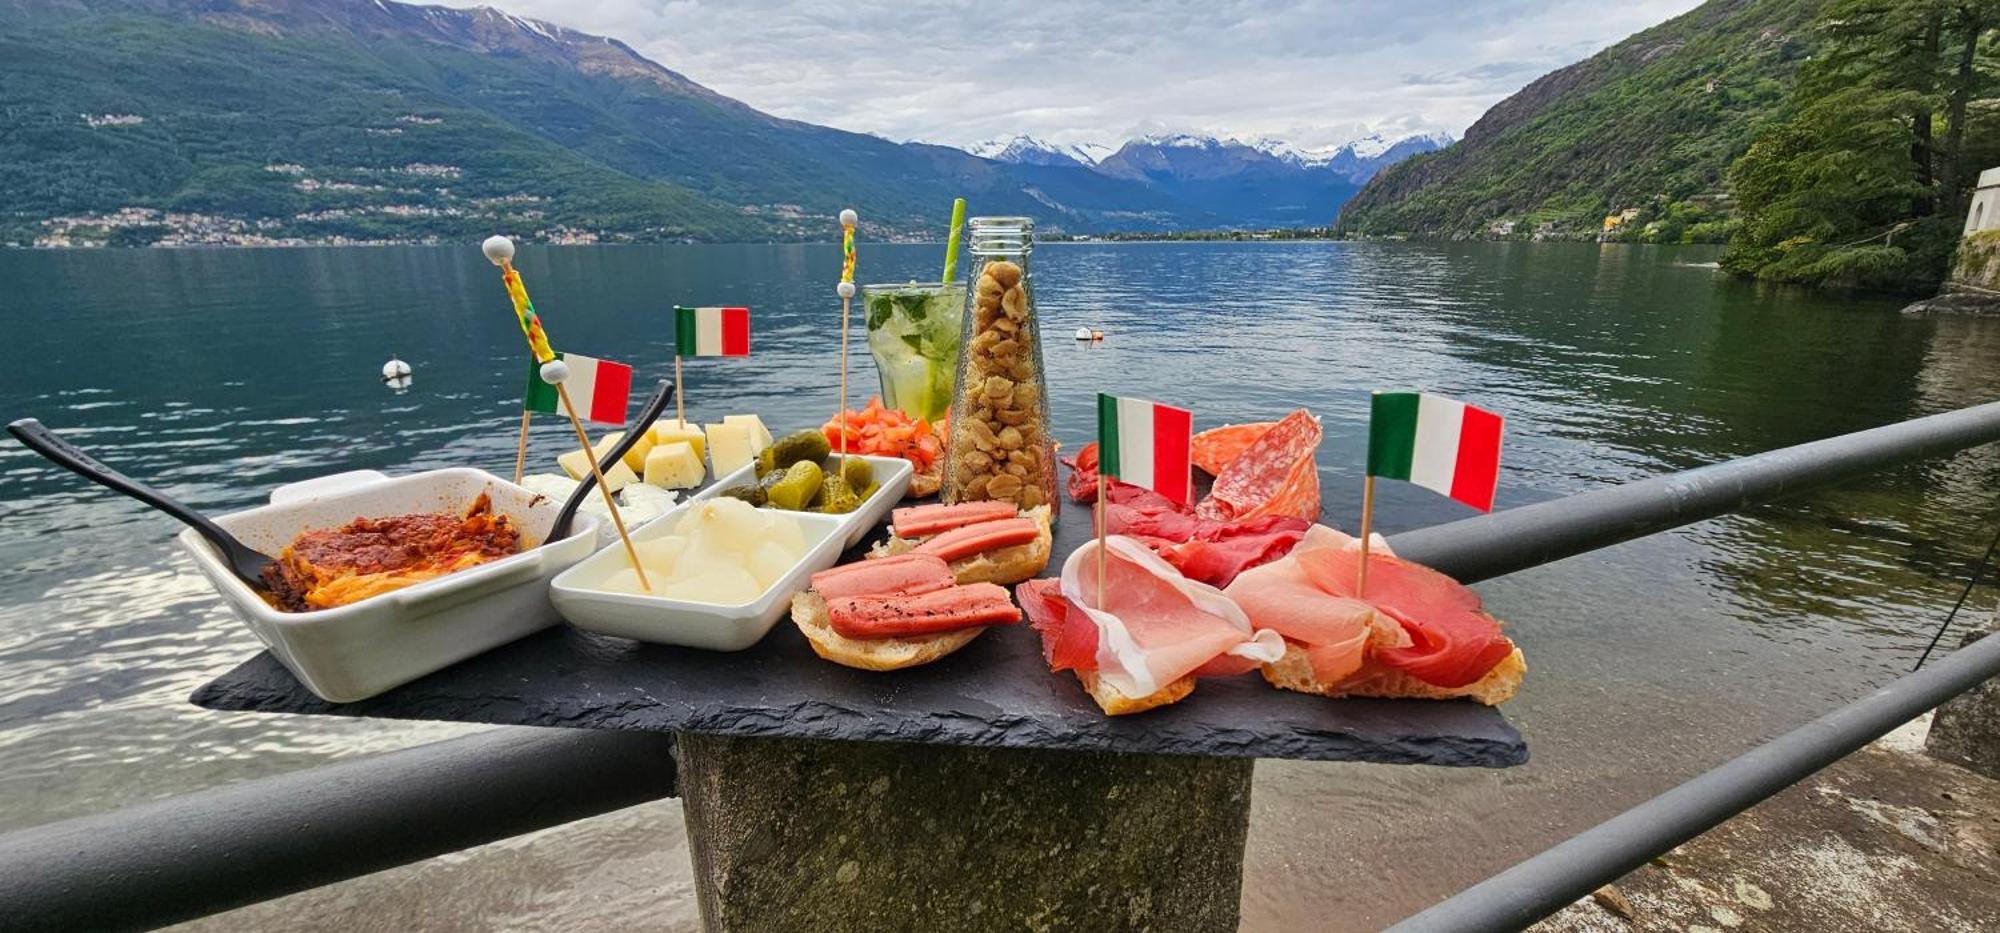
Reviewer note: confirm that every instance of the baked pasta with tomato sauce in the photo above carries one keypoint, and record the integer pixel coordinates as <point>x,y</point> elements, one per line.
<point>366,557</point>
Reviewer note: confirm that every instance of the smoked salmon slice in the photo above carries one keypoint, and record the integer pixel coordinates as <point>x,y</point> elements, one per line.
<point>967,540</point>
<point>900,575</point>
<point>918,521</point>
<point>945,610</point>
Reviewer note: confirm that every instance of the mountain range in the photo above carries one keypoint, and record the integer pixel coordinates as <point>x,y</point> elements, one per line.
<point>191,121</point>
<point>1646,127</point>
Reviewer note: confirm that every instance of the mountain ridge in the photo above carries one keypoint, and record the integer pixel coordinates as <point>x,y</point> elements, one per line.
<point>371,120</point>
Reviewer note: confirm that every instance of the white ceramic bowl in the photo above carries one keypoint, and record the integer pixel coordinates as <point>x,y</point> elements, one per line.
<point>356,651</point>
<point>666,621</point>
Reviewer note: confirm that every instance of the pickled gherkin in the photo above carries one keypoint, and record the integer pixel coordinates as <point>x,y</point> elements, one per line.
<point>798,446</point>
<point>748,492</point>
<point>800,486</point>
<point>767,462</point>
<point>857,473</point>
<point>836,497</point>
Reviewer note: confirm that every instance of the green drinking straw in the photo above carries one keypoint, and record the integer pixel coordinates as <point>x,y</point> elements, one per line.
<point>951,242</point>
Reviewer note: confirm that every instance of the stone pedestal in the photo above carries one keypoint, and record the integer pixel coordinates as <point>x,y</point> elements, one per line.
<point>1966,730</point>
<point>803,834</point>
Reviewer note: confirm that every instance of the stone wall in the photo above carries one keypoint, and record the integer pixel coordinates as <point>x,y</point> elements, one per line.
<point>1978,263</point>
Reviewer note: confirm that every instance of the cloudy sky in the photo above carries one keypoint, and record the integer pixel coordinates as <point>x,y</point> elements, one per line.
<point>1312,73</point>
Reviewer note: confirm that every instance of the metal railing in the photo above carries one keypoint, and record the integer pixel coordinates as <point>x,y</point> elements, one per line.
<point>207,852</point>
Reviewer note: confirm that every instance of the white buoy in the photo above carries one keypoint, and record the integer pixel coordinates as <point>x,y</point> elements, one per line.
<point>498,249</point>
<point>1083,333</point>
<point>395,369</point>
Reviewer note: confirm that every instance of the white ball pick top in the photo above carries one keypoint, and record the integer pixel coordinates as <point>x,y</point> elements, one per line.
<point>848,218</point>
<point>554,372</point>
<point>499,249</point>
<point>846,289</point>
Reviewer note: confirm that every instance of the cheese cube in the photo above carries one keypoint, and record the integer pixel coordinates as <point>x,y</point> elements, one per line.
<point>729,447</point>
<point>760,437</point>
<point>577,464</point>
<point>672,430</point>
<point>634,458</point>
<point>674,466</point>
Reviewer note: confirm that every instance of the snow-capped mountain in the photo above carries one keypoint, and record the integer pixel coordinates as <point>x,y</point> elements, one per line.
<point>1027,150</point>
<point>1357,159</point>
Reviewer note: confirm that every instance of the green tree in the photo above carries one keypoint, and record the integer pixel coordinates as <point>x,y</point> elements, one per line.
<point>1866,183</point>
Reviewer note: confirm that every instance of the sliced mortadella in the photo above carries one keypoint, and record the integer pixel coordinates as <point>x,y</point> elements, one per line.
<point>917,521</point>
<point>1155,626</point>
<point>1452,641</point>
<point>946,610</point>
<point>899,575</point>
<point>968,540</point>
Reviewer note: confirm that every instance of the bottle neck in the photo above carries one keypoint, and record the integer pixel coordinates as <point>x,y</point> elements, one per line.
<point>1002,236</point>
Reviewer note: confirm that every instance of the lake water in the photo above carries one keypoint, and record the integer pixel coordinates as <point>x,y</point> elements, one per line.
<point>219,374</point>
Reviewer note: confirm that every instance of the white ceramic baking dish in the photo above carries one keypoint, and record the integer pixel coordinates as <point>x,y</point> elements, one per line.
<point>356,651</point>
<point>666,621</point>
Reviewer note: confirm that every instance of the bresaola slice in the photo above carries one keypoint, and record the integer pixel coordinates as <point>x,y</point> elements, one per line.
<point>1154,625</point>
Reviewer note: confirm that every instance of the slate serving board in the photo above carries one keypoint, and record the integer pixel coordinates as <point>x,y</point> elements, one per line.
<point>997,692</point>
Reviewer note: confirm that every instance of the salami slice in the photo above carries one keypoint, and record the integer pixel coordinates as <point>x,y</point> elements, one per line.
<point>1214,448</point>
<point>1275,475</point>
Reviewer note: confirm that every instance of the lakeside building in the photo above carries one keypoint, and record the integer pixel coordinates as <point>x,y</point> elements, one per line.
<point>1984,214</point>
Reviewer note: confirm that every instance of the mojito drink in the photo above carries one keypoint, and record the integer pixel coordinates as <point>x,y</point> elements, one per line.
<point>913,334</point>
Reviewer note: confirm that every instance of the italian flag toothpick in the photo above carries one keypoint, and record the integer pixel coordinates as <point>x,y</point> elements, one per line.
<point>602,388</point>
<point>706,332</point>
<point>711,331</point>
<point>1445,446</point>
<point>1146,444</point>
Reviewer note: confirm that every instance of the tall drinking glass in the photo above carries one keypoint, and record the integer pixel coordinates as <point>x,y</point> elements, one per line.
<point>913,333</point>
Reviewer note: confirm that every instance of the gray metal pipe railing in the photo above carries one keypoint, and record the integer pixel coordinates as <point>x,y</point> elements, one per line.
<point>1562,875</point>
<point>1503,542</point>
<point>206,852</point>
<point>190,856</point>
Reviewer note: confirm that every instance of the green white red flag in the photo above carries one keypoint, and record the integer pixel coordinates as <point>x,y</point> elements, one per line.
<point>1146,444</point>
<point>1442,445</point>
<point>711,331</point>
<point>600,389</point>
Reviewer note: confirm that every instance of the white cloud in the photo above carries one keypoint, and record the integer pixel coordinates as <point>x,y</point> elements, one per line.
<point>1101,70</point>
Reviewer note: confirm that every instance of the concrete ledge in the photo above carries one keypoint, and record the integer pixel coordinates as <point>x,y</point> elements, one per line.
<point>792,834</point>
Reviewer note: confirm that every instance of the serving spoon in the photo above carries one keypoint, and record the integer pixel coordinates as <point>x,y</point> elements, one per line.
<point>651,412</point>
<point>243,561</point>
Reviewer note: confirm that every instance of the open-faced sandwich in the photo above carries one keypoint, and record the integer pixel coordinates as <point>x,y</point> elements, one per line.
<point>896,612</point>
<point>1140,635</point>
<point>1411,633</point>
<point>983,542</point>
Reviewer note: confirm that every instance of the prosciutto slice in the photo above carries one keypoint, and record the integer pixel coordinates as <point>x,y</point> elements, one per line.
<point>1155,626</point>
<point>1447,639</point>
<point>1335,629</point>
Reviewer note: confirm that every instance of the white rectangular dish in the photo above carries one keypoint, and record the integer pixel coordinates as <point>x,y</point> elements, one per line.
<point>666,621</point>
<point>356,651</point>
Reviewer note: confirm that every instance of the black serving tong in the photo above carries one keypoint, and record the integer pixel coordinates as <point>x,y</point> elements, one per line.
<point>654,407</point>
<point>248,565</point>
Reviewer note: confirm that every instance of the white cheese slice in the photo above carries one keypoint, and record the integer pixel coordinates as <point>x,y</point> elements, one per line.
<point>729,447</point>
<point>760,436</point>
<point>674,466</point>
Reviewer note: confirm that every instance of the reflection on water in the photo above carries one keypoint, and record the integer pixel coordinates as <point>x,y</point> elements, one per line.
<point>220,374</point>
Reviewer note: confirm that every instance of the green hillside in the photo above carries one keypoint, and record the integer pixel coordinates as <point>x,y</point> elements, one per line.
<point>1652,122</point>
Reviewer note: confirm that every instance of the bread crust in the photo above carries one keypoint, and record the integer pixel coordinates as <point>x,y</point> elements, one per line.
<point>1006,566</point>
<point>871,654</point>
<point>1294,672</point>
<point>1115,702</point>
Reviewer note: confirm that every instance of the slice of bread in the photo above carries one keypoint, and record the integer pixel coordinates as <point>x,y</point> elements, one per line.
<point>1006,566</point>
<point>1294,672</point>
<point>1115,702</point>
<point>871,654</point>
<point>926,483</point>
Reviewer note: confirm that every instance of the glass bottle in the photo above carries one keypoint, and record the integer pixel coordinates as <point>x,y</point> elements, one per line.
<point>999,447</point>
